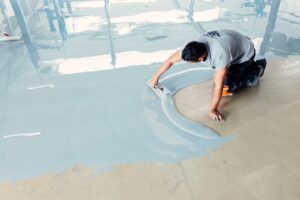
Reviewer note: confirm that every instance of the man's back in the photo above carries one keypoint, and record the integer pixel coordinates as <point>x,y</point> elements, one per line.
<point>227,47</point>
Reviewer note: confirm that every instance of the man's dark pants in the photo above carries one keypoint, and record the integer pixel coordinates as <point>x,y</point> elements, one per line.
<point>242,75</point>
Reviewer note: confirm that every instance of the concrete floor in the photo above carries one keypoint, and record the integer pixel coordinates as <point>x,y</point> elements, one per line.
<point>261,162</point>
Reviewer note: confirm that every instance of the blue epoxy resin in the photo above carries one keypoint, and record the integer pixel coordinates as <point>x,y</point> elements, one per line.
<point>96,119</point>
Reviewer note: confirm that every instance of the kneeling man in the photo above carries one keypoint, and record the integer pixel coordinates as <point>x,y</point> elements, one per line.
<point>230,54</point>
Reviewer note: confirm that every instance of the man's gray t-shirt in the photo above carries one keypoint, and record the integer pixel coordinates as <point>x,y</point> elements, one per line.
<point>227,47</point>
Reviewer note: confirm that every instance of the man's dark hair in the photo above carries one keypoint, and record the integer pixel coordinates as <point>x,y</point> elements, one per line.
<point>193,50</point>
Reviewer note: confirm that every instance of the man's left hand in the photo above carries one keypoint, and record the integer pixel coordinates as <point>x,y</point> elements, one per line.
<point>216,115</point>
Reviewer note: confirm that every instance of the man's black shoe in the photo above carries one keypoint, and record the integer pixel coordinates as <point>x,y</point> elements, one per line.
<point>262,63</point>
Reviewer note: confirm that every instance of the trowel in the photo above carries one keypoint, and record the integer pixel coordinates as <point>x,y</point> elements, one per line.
<point>159,90</point>
<point>186,125</point>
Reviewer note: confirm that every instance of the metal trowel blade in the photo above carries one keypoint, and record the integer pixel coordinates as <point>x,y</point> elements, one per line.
<point>159,90</point>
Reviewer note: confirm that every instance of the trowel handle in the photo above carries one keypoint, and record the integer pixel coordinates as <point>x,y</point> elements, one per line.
<point>159,87</point>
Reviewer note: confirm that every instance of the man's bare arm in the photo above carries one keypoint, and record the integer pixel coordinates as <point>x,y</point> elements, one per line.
<point>174,58</point>
<point>219,78</point>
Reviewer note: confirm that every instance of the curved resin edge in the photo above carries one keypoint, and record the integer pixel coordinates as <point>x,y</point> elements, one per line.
<point>168,106</point>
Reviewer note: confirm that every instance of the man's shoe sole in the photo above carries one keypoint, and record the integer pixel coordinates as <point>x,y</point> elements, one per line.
<point>262,63</point>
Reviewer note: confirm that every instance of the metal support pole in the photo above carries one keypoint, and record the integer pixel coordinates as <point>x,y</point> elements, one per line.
<point>112,49</point>
<point>270,26</point>
<point>34,56</point>
<point>50,15</point>
<point>60,20</point>
<point>61,4</point>
<point>69,6</point>
<point>6,20</point>
<point>259,8</point>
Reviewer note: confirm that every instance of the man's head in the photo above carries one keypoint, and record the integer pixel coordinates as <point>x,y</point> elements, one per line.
<point>194,52</point>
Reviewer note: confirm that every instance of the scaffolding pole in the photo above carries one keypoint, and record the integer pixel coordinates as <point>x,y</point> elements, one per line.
<point>50,15</point>
<point>34,56</point>
<point>61,20</point>
<point>270,26</point>
<point>6,20</point>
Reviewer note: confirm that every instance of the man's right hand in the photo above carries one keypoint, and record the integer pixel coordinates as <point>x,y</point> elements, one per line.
<point>154,82</point>
<point>174,58</point>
